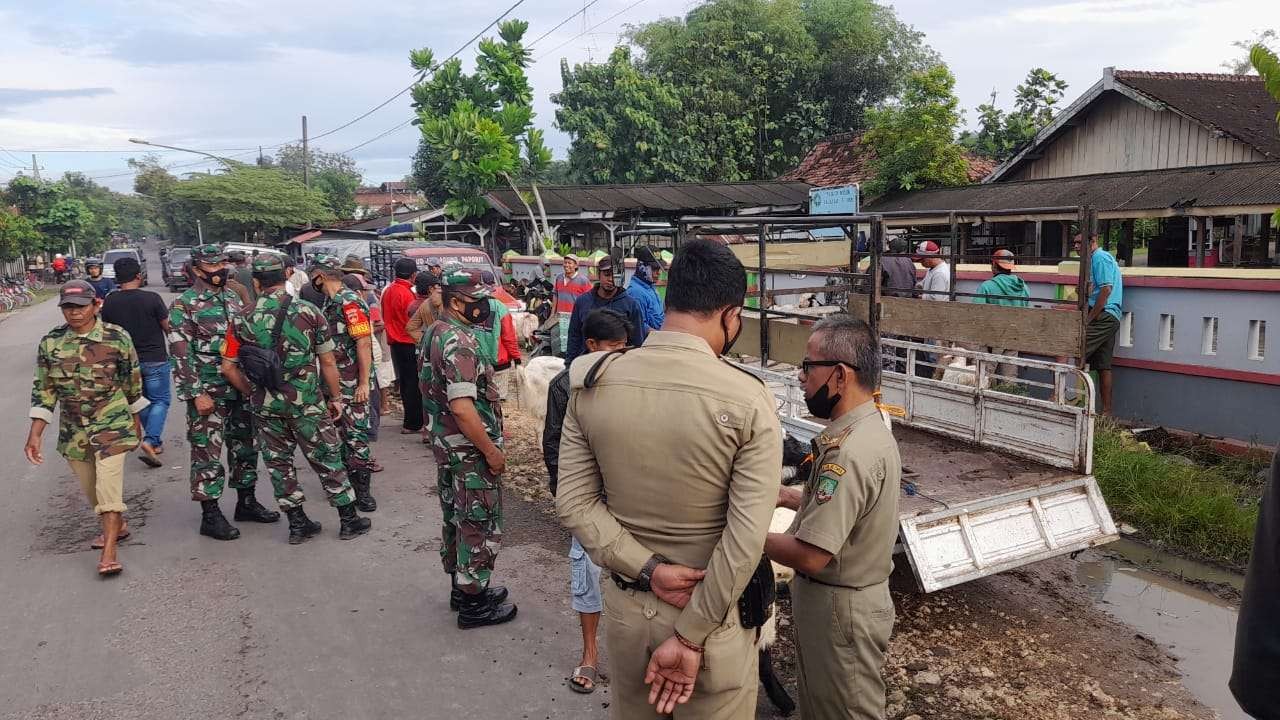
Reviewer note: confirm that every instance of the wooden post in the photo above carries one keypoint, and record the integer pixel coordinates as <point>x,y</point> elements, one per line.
<point>873,297</point>
<point>1088,228</point>
<point>955,241</point>
<point>1266,237</point>
<point>1039,245</point>
<point>764,308</point>
<point>1200,237</point>
<point>1237,241</point>
<point>1128,244</point>
<point>1106,235</point>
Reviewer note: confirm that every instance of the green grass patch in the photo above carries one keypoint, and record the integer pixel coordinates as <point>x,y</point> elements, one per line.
<point>1207,511</point>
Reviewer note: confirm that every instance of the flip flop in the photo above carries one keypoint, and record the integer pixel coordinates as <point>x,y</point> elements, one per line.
<point>107,569</point>
<point>584,672</point>
<point>100,541</point>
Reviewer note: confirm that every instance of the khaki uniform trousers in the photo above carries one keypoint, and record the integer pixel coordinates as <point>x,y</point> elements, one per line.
<point>102,481</point>
<point>841,638</point>
<point>636,623</point>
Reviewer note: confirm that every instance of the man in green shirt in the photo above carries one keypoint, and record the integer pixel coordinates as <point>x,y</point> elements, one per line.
<point>1007,289</point>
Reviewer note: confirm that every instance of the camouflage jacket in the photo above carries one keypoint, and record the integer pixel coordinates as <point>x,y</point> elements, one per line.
<point>348,319</point>
<point>453,367</point>
<point>96,379</point>
<point>304,338</point>
<point>198,323</point>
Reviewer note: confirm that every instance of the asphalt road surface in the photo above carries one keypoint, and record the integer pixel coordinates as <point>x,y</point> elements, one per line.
<point>256,628</point>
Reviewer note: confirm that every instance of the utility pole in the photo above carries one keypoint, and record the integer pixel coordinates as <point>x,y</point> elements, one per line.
<point>306,159</point>
<point>199,231</point>
<point>35,167</point>
<point>259,156</point>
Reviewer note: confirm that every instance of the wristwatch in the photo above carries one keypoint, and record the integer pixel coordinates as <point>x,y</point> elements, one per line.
<point>644,582</point>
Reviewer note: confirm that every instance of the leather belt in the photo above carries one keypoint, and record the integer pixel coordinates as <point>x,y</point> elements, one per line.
<point>625,584</point>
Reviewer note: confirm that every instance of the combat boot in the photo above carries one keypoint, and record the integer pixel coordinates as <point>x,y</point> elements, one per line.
<point>301,527</point>
<point>478,611</point>
<point>214,524</point>
<point>352,524</point>
<point>248,509</point>
<point>496,595</point>
<point>360,481</point>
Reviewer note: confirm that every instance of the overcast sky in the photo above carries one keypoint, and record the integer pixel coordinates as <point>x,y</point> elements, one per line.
<point>229,75</point>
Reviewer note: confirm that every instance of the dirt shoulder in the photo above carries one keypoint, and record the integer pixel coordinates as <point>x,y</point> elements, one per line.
<point>1023,644</point>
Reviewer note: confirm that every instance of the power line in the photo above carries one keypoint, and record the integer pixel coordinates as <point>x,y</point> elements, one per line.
<point>562,23</point>
<point>591,29</point>
<point>379,136</point>
<point>130,150</point>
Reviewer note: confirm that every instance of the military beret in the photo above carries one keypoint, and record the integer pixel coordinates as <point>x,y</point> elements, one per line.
<point>463,281</point>
<point>208,253</point>
<point>267,262</point>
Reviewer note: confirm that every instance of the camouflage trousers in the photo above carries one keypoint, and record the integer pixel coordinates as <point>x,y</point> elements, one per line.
<point>471,503</point>
<point>230,424</point>
<point>280,437</point>
<point>353,428</point>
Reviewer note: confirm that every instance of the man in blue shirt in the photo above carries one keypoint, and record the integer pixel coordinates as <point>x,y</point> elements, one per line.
<point>607,293</point>
<point>101,284</point>
<point>1106,291</point>
<point>643,290</point>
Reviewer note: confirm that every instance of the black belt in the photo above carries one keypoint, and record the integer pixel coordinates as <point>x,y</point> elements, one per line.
<point>625,584</point>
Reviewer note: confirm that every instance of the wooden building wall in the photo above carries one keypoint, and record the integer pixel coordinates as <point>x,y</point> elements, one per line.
<point>1120,135</point>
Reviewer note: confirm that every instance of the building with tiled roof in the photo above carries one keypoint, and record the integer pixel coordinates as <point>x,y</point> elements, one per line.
<point>844,160</point>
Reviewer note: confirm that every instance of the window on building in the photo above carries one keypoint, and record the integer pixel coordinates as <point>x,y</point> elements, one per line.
<point>1209,336</point>
<point>1166,332</point>
<point>1126,329</point>
<point>1257,340</point>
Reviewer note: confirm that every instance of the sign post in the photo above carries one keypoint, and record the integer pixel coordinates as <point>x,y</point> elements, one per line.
<point>839,200</point>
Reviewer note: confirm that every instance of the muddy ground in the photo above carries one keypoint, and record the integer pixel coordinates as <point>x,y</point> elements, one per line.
<point>1023,644</point>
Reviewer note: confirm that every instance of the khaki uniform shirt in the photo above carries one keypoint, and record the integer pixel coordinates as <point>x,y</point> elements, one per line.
<point>850,506</point>
<point>688,451</point>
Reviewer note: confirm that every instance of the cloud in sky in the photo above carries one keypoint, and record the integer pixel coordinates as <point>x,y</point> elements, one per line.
<point>235,74</point>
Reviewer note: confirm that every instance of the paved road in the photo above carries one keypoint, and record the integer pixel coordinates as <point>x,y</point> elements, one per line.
<point>257,628</point>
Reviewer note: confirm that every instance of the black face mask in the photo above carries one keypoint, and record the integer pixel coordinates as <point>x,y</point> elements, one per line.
<point>217,278</point>
<point>724,325</point>
<point>823,403</point>
<point>476,312</point>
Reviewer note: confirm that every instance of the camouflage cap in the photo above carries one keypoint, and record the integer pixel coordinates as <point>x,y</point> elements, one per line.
<point>76,292</point>
<point>208,253</point>
<point>267,262</point>
<point>463,281</point>
<point>328,264</point>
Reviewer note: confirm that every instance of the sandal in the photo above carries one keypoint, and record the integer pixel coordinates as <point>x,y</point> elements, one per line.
<point>584,672</point>
<point>375,466</point>
<point>107,569</point>
<point>100,541</point>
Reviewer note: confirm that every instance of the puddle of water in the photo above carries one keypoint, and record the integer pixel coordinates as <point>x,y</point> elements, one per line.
<point>1151,558</point>
<point>1199,627</point>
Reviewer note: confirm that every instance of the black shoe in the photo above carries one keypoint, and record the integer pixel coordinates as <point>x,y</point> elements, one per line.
<point>496,595</point>
<point>301,527</point>
<point>248,509</point>
<point>214,524</point>
<point>360,480</point>
<point>477,611</point>
<point>352,524</point>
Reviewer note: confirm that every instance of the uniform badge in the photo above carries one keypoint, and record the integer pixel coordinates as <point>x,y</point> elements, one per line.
<point>827,485</point>
<point>832,468</point>
<point>357,322</point>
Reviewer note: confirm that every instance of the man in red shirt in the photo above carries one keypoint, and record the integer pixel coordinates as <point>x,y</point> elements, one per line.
<point>395,316</point>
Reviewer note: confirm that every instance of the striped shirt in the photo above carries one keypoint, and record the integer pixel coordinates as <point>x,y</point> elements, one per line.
<point>568,290</point>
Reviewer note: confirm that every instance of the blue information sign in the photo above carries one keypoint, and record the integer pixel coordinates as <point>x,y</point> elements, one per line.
<point>841,200</point>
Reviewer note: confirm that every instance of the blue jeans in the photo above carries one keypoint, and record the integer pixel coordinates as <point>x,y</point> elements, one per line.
<point>155,387</point>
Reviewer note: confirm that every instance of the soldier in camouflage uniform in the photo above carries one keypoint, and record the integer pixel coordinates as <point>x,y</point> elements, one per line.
<point>294,416</point>
<point>352,333</point>
<point>89,368</point>
<point>216,413</point>
<point>461,403</point>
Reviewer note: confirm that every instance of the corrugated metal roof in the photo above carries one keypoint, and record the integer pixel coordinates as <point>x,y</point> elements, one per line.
<point>661,197</point>
<point>1238,105</point>
<point>1243,184</point>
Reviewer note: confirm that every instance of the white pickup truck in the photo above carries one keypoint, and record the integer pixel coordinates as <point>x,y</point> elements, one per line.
<point>992,479</point>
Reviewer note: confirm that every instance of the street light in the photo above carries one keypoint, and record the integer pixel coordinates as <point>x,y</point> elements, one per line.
<point>231,164</point>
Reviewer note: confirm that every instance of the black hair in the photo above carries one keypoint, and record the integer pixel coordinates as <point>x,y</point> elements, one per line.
<point>127,269</point>
<point>269,278</point>
<point>605,324</point>
<point>405,268</point>
<point>848,339</point>
<point>423,282</point>
<point>704,277</point>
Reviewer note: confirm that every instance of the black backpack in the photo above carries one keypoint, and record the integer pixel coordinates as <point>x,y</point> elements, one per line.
<point>263,365</point>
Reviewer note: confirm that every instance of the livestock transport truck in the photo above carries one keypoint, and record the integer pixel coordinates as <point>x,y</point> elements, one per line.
<point>997,472</point>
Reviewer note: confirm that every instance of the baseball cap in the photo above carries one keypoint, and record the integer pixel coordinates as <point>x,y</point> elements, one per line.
<point>208,253</point>
<point>927,248</point>
<point>467,282</point>
<point>604,263</point>
<point>127,268</point>
<point>1002,259</point>
<point>267,262</point>
<point>76,292</point>
<point>646,255</point>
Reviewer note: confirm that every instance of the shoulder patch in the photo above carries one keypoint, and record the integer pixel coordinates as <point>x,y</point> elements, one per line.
<point>832,468</point>
<point>826,489</point>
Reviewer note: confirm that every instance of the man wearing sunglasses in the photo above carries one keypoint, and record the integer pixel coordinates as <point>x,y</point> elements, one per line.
<point>606,294</point>
<point>841,543</point>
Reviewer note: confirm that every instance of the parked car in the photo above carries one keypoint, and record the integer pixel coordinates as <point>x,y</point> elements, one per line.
<point>111,256</point>
<point>175,275</point>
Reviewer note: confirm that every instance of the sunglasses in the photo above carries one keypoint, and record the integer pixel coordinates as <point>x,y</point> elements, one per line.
<point>807,366</point>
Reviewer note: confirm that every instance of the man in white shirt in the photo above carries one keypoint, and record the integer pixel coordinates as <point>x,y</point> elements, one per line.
<point>937,278</point>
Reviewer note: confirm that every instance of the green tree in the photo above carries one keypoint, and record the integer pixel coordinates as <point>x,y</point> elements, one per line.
<point>1265,61</point>
<point>175,218</point>
<point>1243,64</point>
<point>18,236</point>
<point>1000,135</point>
<point>480,126</point>
<point>915,139</point>
<point>333,174</point>
<point>865,55</point>
<point>32,197</point>
<point>66,223</point>
<point>626,124</point>
<point>250,199</point>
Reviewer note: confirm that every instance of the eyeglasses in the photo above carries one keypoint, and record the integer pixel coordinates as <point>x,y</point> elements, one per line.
<point>807,366</point>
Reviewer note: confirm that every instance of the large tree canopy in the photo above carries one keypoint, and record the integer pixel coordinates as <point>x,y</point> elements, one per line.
<point>735,90</point>
<point>252,199</point>
<point>334,175</point>
<point>1001,134</point>
<point>915,139</point>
